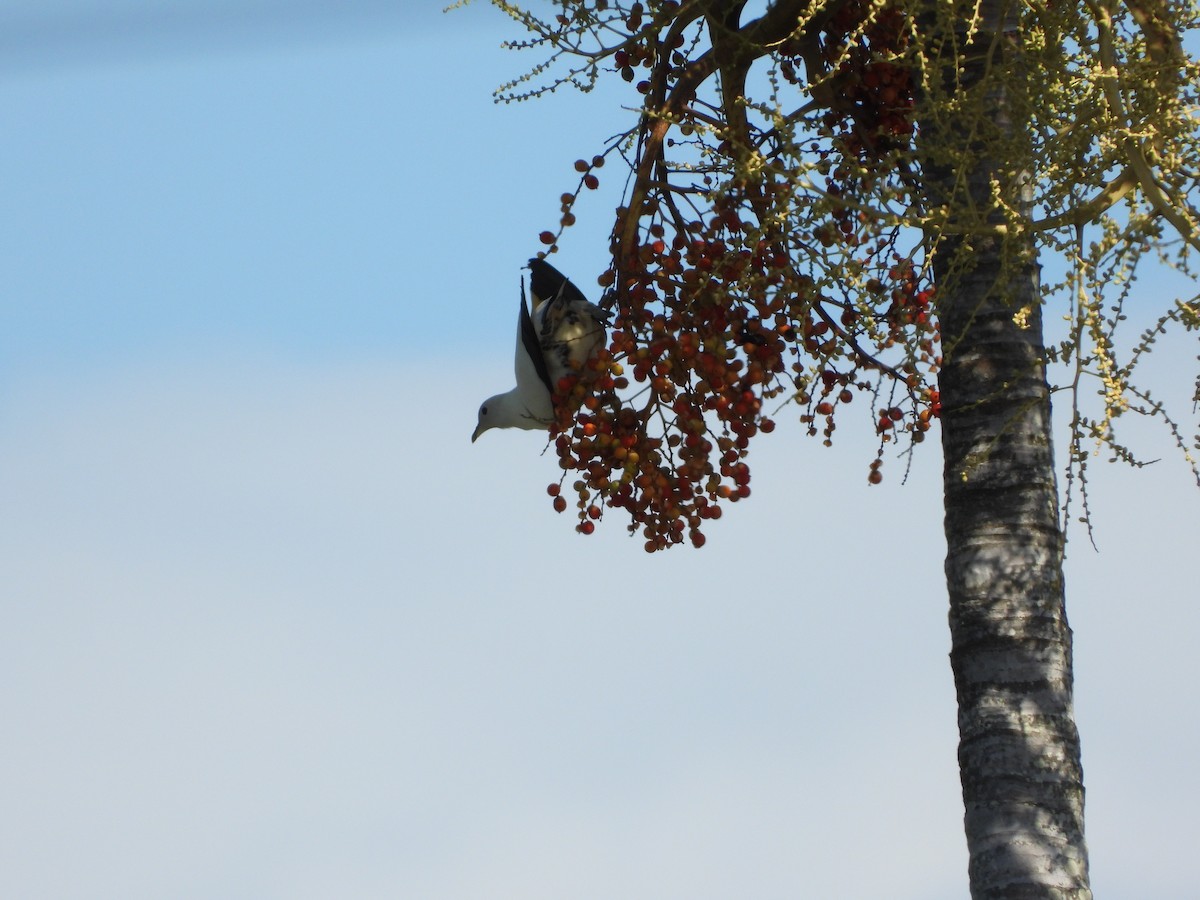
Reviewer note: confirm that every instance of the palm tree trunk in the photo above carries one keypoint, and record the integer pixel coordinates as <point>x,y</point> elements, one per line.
<point>1018,750</point>
<point>1019,756</point>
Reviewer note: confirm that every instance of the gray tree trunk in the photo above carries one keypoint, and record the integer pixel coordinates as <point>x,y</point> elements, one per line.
<point>1018,751</point>
<point>1011,646</point>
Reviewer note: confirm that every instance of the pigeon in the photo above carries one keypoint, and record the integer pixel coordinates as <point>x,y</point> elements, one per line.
<point>528,405</point>
<point>557,339</point>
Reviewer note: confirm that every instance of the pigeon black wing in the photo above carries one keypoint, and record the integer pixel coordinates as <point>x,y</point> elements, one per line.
<point>533,346</point>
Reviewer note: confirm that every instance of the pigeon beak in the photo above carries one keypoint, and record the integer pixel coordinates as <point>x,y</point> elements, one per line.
<point>479,429</point>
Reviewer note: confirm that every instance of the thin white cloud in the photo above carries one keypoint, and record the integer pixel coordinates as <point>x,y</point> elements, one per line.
<point>74,33</point>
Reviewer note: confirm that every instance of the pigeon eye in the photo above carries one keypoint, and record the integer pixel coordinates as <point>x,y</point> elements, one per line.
<point>483,410</point>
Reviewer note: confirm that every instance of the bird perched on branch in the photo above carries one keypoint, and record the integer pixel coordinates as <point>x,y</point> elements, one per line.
<point>557,339</point>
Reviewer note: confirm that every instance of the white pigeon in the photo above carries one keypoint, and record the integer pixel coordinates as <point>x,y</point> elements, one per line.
<point>527,405</point>
<point>558,339</point>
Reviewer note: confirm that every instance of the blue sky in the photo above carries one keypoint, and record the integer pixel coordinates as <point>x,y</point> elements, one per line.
<point>272,626</point>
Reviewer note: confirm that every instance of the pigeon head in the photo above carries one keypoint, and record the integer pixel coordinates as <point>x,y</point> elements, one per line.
<point>488,418</point>
<point>518,408</point>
